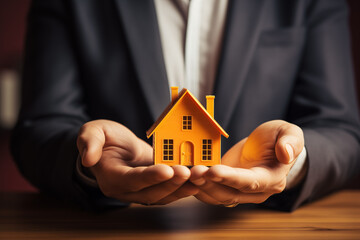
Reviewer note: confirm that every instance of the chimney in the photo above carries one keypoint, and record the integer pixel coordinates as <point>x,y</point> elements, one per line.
<point>210,104</point>
<point>174,93</point>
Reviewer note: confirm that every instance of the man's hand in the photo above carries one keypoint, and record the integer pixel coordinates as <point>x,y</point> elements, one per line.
<point>120,162</point>
<point>254,169</point>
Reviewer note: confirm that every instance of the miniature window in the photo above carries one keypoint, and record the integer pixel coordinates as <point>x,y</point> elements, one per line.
<point>206,149</point>
<point>187,123</point>
<point>168,152</point>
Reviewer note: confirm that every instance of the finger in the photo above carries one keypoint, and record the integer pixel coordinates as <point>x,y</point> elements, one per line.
<point>204,197</point>
<point>197,174</point>
<point>143,154</point>
<point>198,179</point>
<point>153,194</point>
<point>181,172</point>
<point>245,180</point>
<point>233,155</point>
<point>209,197</point>
<point>90,143</point>
<point>134,149</point>
<point>117,181</point>
<point>138,178</point>
<point>225,195</point>
<point>221,193</point>
<point>255,180</point>
<point>290,143</point>
<point>138,188</point>
<point>186,190</point>
<point>99,135</point>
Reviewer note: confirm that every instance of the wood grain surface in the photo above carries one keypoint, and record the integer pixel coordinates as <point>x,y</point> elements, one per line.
<point>35,216</point>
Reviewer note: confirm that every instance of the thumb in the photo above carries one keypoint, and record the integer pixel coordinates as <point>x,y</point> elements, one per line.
<point>90,143</point>
<point>145,154</point>
<point>289,144</point>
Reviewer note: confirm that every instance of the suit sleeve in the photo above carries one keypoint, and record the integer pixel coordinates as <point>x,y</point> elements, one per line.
<point>324,106</point>
<point>53,108</point>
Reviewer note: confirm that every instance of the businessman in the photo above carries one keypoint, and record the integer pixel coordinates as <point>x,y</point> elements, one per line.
<point>97,74</point>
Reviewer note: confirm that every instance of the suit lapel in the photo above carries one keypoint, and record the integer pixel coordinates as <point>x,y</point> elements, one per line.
<point>142,33</point>
<point>240,39</point>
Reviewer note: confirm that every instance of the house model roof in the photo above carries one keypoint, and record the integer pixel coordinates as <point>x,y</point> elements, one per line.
<point>182,95</point>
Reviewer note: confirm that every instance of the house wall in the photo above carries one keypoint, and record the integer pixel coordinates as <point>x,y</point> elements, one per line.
<point>171,128</point>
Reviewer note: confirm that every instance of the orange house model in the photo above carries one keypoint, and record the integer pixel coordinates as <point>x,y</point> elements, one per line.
<point>186,133</point>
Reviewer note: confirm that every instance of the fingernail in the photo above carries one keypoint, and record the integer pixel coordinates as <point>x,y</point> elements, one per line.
<point>199,182</point>
<point>290,152</point>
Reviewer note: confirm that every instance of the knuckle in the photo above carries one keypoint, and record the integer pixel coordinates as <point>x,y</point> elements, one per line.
<point>253,187</point>
<point>278,188</point>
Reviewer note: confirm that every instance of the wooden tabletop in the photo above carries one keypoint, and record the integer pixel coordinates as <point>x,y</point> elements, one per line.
<point>35,216</point>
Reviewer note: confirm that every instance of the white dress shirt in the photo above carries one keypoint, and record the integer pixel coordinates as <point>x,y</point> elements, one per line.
<point>191,35</point>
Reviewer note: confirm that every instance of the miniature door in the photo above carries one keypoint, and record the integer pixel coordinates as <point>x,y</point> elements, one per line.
<point>187,153</point>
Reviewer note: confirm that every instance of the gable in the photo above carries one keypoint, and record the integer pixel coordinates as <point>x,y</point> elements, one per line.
<point>200,125</point>
<point>186,103</point>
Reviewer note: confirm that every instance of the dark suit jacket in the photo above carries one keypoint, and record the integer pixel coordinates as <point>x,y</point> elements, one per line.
<point>97,59</point>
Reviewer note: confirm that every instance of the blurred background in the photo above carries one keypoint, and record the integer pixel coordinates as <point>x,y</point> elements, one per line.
<point>12,32</point>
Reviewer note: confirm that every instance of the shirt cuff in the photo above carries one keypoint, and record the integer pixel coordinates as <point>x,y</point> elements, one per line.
<point>298,170</point>
<point>83,176</point>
